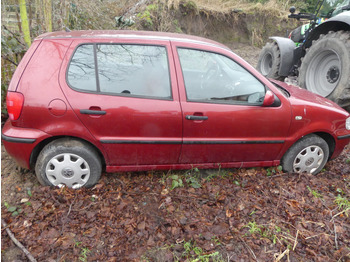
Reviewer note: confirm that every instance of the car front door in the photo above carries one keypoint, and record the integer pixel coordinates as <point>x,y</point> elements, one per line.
<point>224,120</point>
<point>125,93</point>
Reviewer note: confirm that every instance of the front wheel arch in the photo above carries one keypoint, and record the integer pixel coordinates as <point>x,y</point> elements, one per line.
<point>329,140</point>
<point>36,151</point>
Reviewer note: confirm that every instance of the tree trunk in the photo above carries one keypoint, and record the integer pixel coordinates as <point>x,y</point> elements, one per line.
<point>24,22</point>
<point>48,15</point>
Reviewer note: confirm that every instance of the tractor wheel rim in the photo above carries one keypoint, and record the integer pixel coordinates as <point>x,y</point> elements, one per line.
<point>266,64</point>
<point>323,73</point>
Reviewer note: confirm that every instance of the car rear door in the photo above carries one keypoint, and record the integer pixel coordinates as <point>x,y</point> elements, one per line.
<point>224,120</point>
<point>125,93</point>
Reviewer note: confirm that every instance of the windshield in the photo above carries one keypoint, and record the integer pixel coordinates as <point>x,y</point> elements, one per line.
<point>333,7</point>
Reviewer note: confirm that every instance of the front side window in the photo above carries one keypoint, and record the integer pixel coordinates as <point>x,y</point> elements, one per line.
<point>215,78</point>
<point>132,70</point>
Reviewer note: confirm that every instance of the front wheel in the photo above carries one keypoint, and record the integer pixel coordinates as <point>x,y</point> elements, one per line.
<point>269,61</point>
<point>309,154</point>
<point>68,162</point>
<point>325,69</point>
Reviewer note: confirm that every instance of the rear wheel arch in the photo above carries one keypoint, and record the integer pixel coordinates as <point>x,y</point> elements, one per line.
<point>36,151</point>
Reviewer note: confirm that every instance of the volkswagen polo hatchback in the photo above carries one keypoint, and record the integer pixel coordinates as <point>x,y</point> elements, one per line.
<point>84,102</point>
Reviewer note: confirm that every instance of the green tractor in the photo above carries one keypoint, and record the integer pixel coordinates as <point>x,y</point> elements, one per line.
<point>317,54</point>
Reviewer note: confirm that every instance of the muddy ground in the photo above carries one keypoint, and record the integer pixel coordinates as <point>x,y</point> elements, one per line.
<point>223,215</point>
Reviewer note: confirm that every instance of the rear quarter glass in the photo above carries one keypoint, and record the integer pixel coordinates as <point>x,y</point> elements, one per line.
<point>22,65</point>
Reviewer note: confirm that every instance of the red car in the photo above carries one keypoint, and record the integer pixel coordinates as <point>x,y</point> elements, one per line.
<point>86,101</point>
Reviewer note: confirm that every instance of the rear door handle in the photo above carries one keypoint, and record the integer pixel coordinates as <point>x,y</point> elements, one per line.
<point>92,112</point>
<point>191,117</point>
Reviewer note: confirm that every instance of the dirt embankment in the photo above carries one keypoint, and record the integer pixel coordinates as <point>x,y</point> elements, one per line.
<point>252,25</point>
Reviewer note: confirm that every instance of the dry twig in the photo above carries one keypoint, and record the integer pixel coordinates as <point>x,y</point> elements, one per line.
<point>282,255</point>
<point>245,244</point>
<point>296,242</point>
<point>70,206</point>
<point>14,239</point>
<point>335,236</point>
<point>345,210</point>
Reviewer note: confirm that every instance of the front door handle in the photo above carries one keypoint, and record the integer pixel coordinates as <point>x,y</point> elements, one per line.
<point>191,117</point>
<point>92,112</point>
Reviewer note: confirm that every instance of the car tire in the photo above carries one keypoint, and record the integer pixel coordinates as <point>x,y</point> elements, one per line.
<point>309,154</point>
<point>68,161</point>
<point>269,61</point>
<point>325,69</point>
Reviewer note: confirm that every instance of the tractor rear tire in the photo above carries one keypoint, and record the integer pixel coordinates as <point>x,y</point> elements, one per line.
<point>325,69</point>
<point>269,61</point>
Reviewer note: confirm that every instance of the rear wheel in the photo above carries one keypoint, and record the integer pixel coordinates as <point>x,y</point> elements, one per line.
<point>68,162</point>
<point>325,69</point>
<point>309,154</point>
<point>269,61</point>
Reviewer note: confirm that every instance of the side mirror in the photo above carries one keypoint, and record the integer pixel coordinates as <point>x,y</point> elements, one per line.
<point>269,98</point>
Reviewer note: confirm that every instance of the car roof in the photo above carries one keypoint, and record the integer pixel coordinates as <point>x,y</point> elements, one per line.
<point>147,35</point>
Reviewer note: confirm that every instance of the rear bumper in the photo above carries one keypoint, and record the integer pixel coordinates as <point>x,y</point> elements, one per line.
<point>20,142</point>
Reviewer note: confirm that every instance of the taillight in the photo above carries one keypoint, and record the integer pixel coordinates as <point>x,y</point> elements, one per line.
<point>14,103</point>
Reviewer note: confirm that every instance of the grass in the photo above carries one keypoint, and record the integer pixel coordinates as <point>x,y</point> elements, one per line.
<point>192,178</point>
<point>314,192</point>
<point>84,251</point>
<point>226,6</point>
<point>343,204</point>
<point>270,231</point>
<point>253,228</point>
<point>12,209</point>
<point>190,251</point>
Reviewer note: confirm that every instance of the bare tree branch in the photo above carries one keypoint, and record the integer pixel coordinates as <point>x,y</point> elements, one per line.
<point>14,36</point>
<point>8,59</point>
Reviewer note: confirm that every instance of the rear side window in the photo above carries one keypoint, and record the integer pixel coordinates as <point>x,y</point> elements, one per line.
<point>131,70</point>
<point>82,73</point>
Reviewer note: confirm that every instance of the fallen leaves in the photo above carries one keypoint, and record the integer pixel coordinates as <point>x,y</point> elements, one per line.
<point>129,216</point>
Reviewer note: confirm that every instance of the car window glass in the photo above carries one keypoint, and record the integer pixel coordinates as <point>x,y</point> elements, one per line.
<point>133,69</point>
<point>81,71</point>
<point>211,77</point>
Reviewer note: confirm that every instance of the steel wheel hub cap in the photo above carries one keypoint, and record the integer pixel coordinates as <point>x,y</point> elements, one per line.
<point>68,169</point>
<point>266,64</point>
<point>308,160</point>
